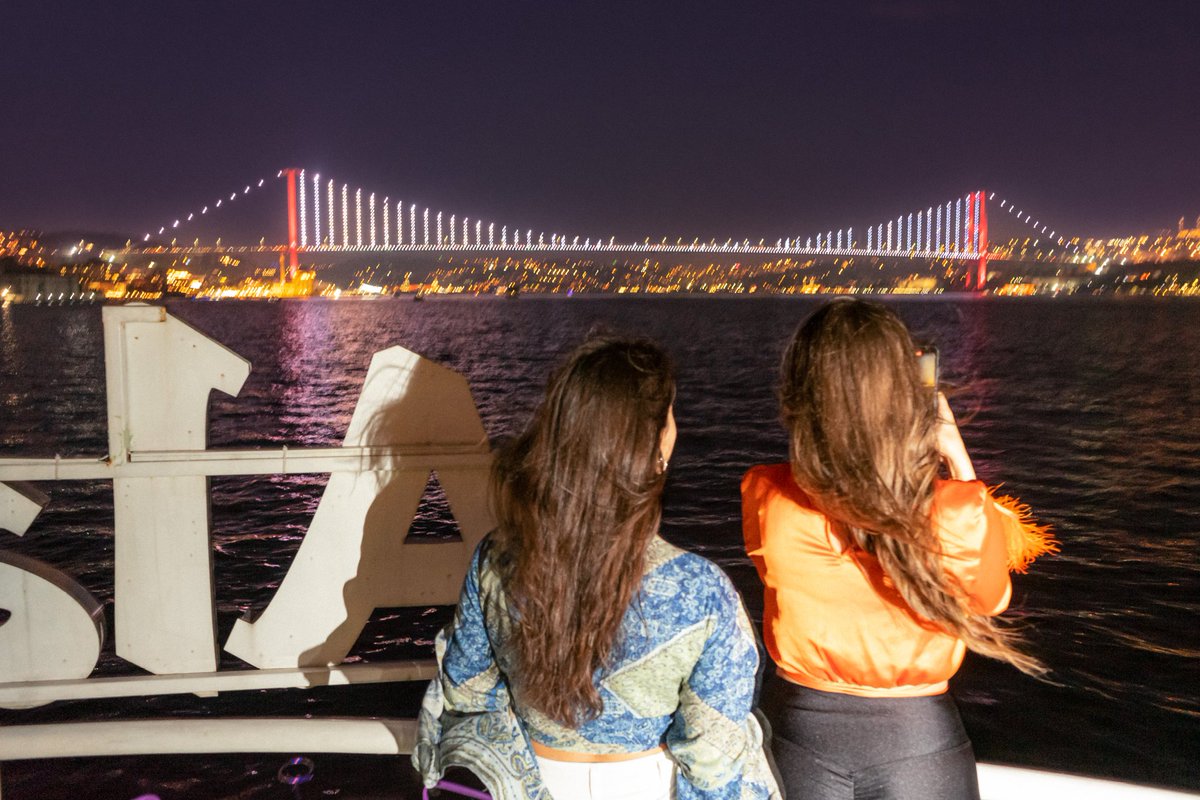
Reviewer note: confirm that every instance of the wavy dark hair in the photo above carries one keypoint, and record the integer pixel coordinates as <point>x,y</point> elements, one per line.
<point>578,497</point>
<point>863,447</point>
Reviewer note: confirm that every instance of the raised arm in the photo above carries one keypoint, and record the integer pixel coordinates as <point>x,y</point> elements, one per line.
<point>983,537</point>
<point>950,443</point>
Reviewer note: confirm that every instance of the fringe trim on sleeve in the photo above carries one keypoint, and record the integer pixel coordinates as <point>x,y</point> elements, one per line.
<point>1028,539</point>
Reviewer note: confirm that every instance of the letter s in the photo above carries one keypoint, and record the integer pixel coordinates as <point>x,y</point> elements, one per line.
<point>55,627</point>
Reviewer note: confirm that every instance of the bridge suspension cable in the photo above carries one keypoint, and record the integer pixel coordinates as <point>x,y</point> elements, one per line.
<point>203,210</point>
<point>1068,243</point>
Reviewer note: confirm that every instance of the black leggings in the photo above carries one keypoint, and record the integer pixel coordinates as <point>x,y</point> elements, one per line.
<point>830,746</point>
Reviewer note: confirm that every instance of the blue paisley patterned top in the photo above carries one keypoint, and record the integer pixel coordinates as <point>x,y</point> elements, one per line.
<point>683,676</point>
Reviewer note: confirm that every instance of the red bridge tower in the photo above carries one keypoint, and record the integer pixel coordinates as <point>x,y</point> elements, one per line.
<point>977,234</point>
<point>288,273</point>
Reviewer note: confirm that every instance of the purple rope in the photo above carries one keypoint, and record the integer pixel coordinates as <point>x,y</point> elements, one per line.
<point>457,788</point>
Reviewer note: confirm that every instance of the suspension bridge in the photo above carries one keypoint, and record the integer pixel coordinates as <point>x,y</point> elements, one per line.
<point>328,217</point>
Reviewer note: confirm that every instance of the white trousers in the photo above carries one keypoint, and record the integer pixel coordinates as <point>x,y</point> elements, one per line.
<point>647,778</point>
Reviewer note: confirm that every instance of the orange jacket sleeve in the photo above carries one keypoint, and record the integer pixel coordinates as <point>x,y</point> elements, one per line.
<point>973,535</point>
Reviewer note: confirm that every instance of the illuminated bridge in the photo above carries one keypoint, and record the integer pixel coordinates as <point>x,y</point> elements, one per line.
<point>325,217</point>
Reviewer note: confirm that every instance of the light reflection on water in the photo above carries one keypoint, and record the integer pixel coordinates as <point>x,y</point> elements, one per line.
<point>1085,409</point>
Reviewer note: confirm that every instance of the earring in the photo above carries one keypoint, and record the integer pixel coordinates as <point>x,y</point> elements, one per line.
<point>662,464</point>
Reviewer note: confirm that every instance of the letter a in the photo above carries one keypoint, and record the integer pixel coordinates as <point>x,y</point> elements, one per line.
<point>353,558</point>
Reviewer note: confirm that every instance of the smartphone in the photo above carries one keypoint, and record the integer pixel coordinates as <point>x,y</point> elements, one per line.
<point>928,369</point>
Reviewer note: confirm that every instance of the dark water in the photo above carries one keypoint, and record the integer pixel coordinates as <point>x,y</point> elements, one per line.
<point>1086,409</point>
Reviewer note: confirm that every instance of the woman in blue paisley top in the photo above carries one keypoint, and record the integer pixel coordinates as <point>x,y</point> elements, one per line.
<point>588,658</point>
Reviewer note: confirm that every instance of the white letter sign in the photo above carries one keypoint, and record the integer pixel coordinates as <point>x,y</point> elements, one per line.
<point>413,417</point>
<point>160,375</point>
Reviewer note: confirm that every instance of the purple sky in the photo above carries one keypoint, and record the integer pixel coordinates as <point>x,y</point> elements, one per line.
<point>635,119</point>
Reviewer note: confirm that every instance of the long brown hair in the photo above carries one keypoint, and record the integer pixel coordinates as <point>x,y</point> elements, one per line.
<point>577,499</point>
<point>863,448</point>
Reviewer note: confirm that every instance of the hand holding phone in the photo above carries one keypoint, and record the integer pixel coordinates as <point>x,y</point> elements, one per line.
<point>929,369</point>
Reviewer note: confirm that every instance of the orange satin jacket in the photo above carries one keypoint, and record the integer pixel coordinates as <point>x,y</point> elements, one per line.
<point>832,619</point>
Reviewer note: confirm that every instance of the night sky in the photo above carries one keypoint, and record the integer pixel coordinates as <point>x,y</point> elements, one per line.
<point>652,118</point>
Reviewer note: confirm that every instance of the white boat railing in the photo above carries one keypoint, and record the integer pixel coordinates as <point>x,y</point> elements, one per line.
<point>361,736</point>
<point>997,782</point>
<point>36,693</point>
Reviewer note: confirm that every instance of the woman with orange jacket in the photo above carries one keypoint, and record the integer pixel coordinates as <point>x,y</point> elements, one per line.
<point>879,574</point>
